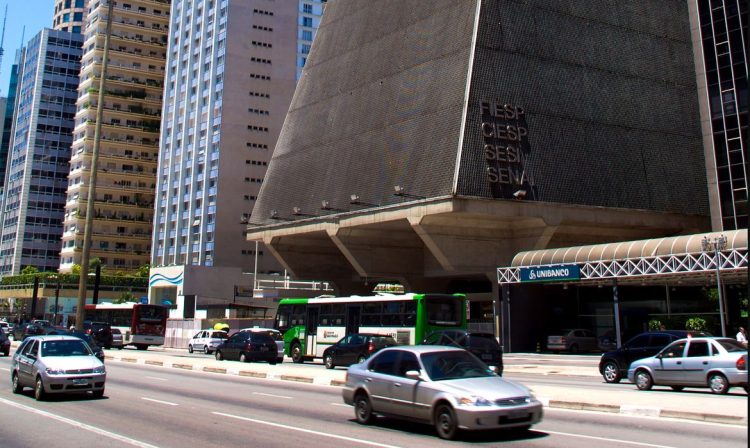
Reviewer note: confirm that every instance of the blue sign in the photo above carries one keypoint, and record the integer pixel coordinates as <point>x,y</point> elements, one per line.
<point>551,273</point>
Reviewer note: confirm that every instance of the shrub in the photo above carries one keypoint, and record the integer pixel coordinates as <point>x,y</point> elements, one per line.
<point>695,324</point>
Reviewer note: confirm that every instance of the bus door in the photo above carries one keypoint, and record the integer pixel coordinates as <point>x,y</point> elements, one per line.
<point>311,334</point>
<point>353,313</point>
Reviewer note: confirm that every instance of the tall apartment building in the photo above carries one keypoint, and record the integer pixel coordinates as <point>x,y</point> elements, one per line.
<point>70,15</point>
<point>129,142</point>
<point>719,34</point>
<point>232,71</point>
<point>37,167</point>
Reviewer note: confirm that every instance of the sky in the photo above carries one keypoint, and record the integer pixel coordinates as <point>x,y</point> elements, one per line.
<point>34,15</point>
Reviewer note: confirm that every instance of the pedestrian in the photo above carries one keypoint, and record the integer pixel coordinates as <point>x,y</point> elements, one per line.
<point>742,336</point>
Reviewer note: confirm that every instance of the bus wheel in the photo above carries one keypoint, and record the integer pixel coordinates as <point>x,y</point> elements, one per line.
<point>141,346</point>
<point>297,353</point>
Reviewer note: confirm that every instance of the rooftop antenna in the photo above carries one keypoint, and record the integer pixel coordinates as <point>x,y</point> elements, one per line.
<point>2,38</point>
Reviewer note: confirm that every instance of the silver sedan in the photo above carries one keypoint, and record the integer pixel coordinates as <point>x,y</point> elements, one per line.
<point>57,364</point>
<point>716,363</point>
<point>444,386</point>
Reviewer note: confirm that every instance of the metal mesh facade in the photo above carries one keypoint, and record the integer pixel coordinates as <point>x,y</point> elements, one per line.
<point>607,89</point>
<point>609,101</point>
<point>379,104</point>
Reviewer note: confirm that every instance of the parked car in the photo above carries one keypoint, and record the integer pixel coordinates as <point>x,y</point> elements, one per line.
<point>444,386</point>
<point>117,339</point>
<point>207,340</point>
<point>355,348</point>
<point>716,363</point>
<point>573,341</point>
<point>100,331</point>
<point>248,346</point>
<point>276,336</point>
<point>4,344</point>
<point>21,332</point>
<point>57,364</point>
<point>614,364</point>
<point>90,341</point>
<point>4,327</point>
<point>483,345</point>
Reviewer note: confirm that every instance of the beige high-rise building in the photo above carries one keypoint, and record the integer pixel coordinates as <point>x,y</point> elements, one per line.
<point>129,143</point>
<point>70,15</point>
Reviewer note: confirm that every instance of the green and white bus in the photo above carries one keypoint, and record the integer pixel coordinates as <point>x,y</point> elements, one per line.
<point>309,326</point>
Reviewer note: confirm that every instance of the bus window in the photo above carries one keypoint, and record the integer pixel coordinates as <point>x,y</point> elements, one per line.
<point>298,315</point>
<point>371,314</point>
<point>444,311</point>
<point>410,313</point>
<point>282,317</point>
<point>392,316</point>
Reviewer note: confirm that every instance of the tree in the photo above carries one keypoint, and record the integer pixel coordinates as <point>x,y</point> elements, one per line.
<point>75,269</point>
<point>125,297</point>
<point>29,270</point>
<point>143,271</point>
<point>695,324</point>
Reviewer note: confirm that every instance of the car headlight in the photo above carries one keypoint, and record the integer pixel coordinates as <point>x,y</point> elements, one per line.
<point>99,369</point>
<point>55,371</point>
<point>474,401</point>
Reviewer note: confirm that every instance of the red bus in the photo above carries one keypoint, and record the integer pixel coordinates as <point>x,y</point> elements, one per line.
<point>141,324</point>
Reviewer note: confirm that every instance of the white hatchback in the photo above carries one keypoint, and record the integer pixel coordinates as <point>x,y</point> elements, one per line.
<point>275,335</point>
<point>207,341</point>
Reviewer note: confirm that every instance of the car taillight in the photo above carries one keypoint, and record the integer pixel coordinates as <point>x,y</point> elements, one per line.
<point>88,331</point>
<point>563,339</point>
<point>741,363</point>
<point>370,347</point>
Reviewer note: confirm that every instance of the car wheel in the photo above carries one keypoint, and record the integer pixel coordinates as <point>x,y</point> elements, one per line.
<point>98,393</point>
<point>17,387</point>
<point>243,357</point>
<point>190,349</point>
<point>39,393</point>
<point>328,361</point>
<point>297,353</point>
<point>677,388</point>
<point>611,372</point>
<point>280,360</point>
<point>206,350</point>
<point>574,348</point>
<point>718,383</point>
<point>219,356</point>
<point>361,359</point>
<point>445,422</point>
<point>363,409</point>
<point>141,347</point>
<point>643,380</point>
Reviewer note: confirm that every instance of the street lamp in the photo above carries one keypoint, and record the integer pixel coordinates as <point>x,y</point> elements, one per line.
<point>717,245</point>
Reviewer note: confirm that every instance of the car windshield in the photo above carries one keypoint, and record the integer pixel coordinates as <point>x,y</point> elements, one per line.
<point>275,335</point>
<point>65,348</point>
<point>454,365</point>
<point>218,335</point>
<point>732,346</point>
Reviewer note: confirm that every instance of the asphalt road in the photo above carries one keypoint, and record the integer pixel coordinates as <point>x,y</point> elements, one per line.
<point>151,406</point>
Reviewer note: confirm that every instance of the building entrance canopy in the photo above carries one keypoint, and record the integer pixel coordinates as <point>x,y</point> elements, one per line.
<point>681,259</point>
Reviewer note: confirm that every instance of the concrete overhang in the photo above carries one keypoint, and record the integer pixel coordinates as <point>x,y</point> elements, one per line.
<point>449,237</point>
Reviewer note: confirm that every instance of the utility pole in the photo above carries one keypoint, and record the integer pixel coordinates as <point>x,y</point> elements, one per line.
<point>89,221</point>
<point>717,245</point>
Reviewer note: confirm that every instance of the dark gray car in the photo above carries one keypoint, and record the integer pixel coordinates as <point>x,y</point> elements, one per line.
<point>444,386</point>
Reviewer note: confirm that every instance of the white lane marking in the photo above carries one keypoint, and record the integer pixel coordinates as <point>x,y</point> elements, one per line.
<point>606,439</point>
<point>308,431</point>
<point>156,378</point>
<point>271,395</point>
<point>80,425</point>
<point>7,370</point>
<point>341,404</point>
<point>159,401</point>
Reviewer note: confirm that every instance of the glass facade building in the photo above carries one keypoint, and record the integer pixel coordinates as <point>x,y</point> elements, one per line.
<point>37,167</point>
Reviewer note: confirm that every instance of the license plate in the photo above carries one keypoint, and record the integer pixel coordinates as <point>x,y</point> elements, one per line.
<point>264,349</point>
<point>487,357</point>
<point>80,382</point>
<point>517,414</point>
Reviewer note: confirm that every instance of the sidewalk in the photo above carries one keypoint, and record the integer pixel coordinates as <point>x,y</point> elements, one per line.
<point>700,406</point>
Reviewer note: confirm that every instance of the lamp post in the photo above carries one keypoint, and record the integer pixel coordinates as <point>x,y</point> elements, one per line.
<point>716,245</point>
<point>57,298</point>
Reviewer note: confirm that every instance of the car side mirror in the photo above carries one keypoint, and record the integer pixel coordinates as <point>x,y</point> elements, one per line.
<point>413,374</point>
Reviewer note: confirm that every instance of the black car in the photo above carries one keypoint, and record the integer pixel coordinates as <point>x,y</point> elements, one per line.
<point>100,331</point>
<point>247,346</point>
<point>21,332</point>
<point>4,343</point>
<point>482,345</point>
<point>355,349</point>
<point>614,364</point>
<point>96,348</point>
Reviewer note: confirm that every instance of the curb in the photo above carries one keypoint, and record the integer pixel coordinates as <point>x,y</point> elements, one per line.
<point>625,409</point>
